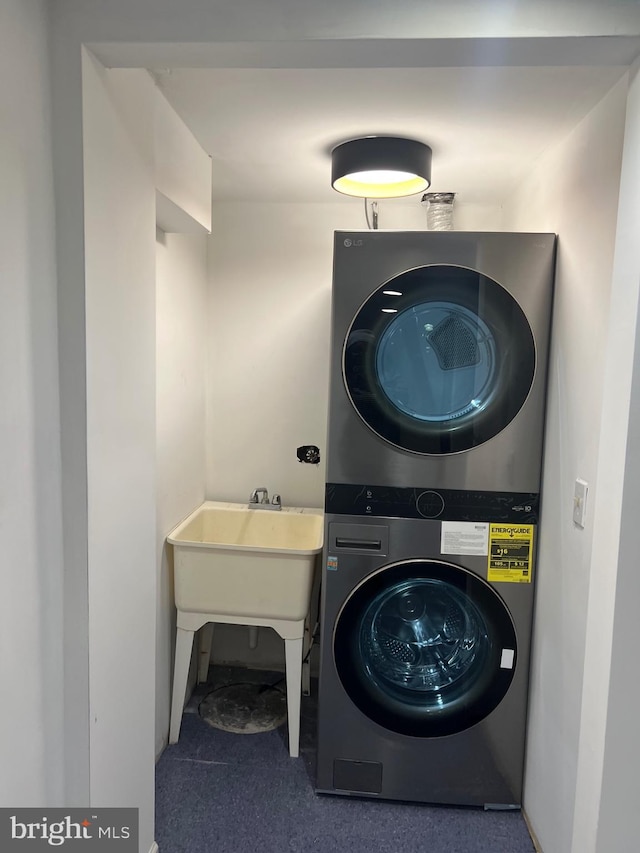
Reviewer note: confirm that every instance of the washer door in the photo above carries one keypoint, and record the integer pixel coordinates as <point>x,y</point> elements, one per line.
<point>425,648</point>
<point>439,360</point>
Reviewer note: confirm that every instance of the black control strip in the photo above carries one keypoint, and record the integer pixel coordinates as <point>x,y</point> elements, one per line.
<point>437,504</point>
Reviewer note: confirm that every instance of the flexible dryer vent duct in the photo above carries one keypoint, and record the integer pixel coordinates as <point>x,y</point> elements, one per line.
<point>439,211</point>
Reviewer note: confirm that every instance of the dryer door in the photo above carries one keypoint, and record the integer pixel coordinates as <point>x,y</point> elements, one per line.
<point>425,648</point>
<point>439,360</point>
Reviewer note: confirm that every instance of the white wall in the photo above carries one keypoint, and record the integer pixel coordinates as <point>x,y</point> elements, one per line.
<point>270,268</point>
<point>269,320</point>
<point>572,190</point>
<point>31,663</point>
<point>605,809</point>
<point>182,173</point>
<point>119,232</point>
<point>617,826</point>
<point>181,346</point>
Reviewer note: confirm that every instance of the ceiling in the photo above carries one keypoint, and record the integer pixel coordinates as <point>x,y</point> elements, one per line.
<point>270,131</point>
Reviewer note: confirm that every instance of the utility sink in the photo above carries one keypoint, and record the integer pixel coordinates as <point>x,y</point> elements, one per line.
<point>230,559</point>
<point>244,566</point>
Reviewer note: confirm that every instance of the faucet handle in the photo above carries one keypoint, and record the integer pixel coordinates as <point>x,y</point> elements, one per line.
<point>276,500</point>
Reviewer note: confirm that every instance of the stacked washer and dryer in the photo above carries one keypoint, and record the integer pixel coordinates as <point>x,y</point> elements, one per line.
<point>438,375</point>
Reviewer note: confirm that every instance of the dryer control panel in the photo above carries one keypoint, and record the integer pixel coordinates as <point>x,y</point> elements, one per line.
<point>440,504</point>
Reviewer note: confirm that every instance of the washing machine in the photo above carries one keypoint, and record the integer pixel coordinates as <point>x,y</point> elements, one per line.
<point>439,359</point>
<point>436,409</point>
<point>424,662</point>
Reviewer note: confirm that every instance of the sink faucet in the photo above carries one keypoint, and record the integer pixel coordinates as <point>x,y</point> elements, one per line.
<point>255,502</point>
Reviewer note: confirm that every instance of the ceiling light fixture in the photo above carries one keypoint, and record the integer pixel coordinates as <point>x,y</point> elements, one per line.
<point>381,167</point>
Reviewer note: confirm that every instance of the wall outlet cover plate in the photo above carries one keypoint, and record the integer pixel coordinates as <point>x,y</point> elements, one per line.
<point>580,502</point>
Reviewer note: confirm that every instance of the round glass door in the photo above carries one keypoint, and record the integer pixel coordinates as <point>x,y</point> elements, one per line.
<point>439,360</point>
<point>425,648</point>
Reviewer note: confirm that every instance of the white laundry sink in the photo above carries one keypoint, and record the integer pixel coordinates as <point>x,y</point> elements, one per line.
<point>254,563</point>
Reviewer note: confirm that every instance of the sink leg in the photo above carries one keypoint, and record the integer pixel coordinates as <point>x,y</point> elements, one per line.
<point>184,646</point>
<point>205,639</point>
<point>293,663</point>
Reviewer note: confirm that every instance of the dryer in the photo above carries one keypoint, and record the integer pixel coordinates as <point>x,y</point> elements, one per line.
<point>424,662</point>
<point>439,359</point>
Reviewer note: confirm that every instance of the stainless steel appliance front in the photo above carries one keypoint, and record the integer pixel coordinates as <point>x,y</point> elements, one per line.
<point>424,668</point>
<point>438,375</point>
<point>439,358</point>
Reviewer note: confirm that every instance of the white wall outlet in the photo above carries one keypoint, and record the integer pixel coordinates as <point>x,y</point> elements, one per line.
<point>580,502</point>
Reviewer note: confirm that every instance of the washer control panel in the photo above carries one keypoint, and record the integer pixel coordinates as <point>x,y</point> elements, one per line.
<point>437,504</point>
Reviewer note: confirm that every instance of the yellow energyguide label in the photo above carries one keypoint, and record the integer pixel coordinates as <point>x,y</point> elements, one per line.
<point>510,553</point>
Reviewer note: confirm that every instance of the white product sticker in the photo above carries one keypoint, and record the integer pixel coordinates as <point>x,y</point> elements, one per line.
<point>464,537</point>
<point>506,661</point>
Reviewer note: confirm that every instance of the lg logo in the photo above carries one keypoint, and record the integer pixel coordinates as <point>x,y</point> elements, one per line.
<point>348,243</point>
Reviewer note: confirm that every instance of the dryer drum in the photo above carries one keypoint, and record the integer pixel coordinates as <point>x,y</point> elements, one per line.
<point>460,381</point>
<point>418,648</point>
<point>454,343</point>
<point>441,366</point>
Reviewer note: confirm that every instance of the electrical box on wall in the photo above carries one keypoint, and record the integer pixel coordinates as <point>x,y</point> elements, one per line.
<point>308,453</point>
<point>580,502</point>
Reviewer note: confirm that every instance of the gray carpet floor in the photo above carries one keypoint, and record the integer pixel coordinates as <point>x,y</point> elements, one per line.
<point>232,793</point>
